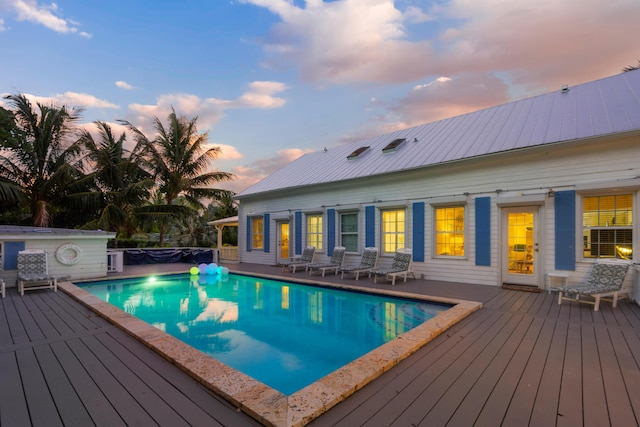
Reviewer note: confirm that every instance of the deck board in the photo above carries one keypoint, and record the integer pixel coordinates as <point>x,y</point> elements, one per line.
<point>520,360</point>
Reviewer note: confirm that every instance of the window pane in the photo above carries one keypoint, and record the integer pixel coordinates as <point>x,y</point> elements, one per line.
<point>257,233</point>
<point>314,231</point>
<point>449,228</point>
<point>607,223</point>
<point>349,231</point>
<point>393,230</point>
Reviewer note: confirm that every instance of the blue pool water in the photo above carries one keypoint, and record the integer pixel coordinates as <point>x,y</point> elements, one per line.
<point>283,334</point>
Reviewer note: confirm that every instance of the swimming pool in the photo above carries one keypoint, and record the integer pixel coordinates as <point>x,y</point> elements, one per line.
<point>258,399</point>
<point>283,334</point>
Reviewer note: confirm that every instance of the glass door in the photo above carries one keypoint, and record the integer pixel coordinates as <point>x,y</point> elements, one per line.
<point>520,248</point>
<point>283,241</point>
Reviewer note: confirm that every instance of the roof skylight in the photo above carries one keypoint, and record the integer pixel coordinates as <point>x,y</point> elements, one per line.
<point>393,145</point>
<point>357,153</point>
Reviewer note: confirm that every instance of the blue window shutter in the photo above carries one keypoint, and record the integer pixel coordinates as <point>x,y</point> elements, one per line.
<point>370,226</point>
<point>418,231</point>
<point>265,233</point>
<point>11,250</point>
<point>298,232</point>
<point>483,230</point>
<point>565,207</point>
<point>249,240</point>
<point>331,230</point>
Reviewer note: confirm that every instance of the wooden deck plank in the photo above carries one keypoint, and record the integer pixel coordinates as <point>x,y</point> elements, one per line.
<point>13,406</point>
<point>94,400</point>
<point>571,393</point>
<point>67,402</point>
<point>448,371</point>
<point>454,400</point>
<point>632,316</point>
<point>474,374</point>
<point>475,399</point>
<point>495,408</point>
<point>128,379</point>
<point>412,376</point>
<point>42,408</point>
<point>77,315</point>
<point>619,407</point>
<point>18,332</point>
<point>180,391</point>
<point>593,396</point>
<point>48,320</point>
<point>545,408</point>
<point>119,397</point>
<point>38,325</point>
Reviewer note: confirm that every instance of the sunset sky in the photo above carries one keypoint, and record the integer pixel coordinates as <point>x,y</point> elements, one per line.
<point>273,79</point>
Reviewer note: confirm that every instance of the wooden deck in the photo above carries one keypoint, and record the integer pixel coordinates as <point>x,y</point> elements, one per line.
<point>520,360</point>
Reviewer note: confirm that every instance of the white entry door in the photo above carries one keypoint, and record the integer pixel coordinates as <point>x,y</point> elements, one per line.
<point>283,241</point>
<point>520,247</point>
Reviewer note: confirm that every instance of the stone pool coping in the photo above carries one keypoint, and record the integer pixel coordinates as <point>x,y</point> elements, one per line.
<point>260,401</point>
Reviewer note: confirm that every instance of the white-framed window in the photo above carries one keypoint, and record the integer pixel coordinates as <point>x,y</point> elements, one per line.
<point>393,230</point>
<point>449,230</point>
<point>314,231</point>
<point>349,231</point>
<point>607,226</point>
<point>257,230</point>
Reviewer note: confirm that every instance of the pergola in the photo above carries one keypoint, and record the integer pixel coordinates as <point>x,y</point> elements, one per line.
<point>220,224</point>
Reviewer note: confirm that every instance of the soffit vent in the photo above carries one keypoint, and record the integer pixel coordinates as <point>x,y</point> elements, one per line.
<point>393,145</point>
<point>357,153</point>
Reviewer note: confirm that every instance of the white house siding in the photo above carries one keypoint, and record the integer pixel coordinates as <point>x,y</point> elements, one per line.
<point>509,176</point>
<point>92,264</point>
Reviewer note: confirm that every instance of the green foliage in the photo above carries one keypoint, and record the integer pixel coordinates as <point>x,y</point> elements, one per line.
<point>53,174</point>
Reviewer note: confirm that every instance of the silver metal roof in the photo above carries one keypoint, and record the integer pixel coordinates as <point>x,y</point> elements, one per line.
<point>602,107</point>
<point>46,232</point>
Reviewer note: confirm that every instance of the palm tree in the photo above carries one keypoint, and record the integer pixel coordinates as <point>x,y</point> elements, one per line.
<point>43,163</point>
<point>119,175</point>
<point>632,67</point>
<point>180,161</point>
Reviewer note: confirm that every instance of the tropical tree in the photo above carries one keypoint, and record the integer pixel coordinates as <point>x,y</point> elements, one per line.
<point>41,165</point>
<point>121,178</point>
<point>632,67</point>
<point>181,164</point>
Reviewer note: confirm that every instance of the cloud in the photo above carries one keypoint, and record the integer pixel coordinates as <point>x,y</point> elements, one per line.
<point>2,27</point>
<point>248,175</point>
<point>345,41</point>
<point>260,94</point>
<point>72,100</point>
<point>446,97</point>
<point>531,43</point>
<point>227,152</point>
<point>124,85</point>
<point>536,42</point>
<point>45,15</point>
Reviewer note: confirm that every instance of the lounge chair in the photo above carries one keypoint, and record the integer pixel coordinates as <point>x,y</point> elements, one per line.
<point>367,263</point>
<point>33,271</point>
<point>334,263</point>
<point>400,267</point>
<point>302,261</point>
<point>605,280</point>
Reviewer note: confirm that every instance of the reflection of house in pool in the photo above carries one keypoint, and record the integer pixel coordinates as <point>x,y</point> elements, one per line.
<point>507,194</point>
<point>76,254</point>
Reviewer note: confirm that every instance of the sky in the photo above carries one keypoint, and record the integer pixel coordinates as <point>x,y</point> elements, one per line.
<point>270,80</point>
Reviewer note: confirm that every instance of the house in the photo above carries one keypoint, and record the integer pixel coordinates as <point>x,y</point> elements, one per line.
<point>518,193</point>
<point>76,254</point>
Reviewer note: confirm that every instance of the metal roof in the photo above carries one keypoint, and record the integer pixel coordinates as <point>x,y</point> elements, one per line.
<point>603,107</point>
<point>19,230</point>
